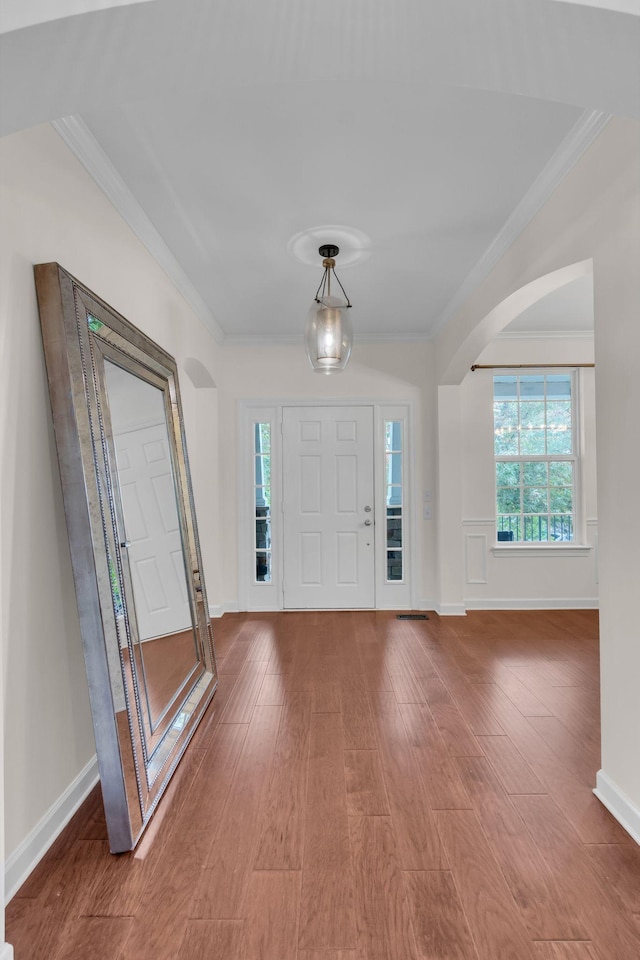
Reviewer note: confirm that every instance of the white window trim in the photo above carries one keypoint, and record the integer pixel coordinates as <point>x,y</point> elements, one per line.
<point>542,549</point>
<point>578,546</point>
<point>252,594</point>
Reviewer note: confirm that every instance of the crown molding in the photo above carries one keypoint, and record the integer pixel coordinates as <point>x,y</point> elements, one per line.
<point>579,138</point>
<point>546,335</point>
<point>82,143</point>
<point>76,134</point>
<point>279,339</point>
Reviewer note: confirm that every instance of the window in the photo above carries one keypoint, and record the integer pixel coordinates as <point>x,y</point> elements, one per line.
<point>393,499</point>
<point>535,454</point>
<point>262,500</point>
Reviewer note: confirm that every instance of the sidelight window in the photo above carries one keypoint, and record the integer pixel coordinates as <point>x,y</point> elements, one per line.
<point>262,501</point>
<point>394,503</point>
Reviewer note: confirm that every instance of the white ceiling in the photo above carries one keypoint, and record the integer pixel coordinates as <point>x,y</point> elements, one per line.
<point>425,133</point>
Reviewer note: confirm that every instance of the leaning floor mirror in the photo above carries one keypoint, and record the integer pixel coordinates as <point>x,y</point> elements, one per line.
<point>134,544</point>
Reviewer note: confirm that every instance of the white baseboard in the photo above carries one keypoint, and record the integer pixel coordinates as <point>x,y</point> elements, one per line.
<point>451,610</point>
<point>33,848</point>
<point>217,610</point>
<point>618,804</point>
<point>7,952</point>
<point>443,609</point>
<point>536,603</point>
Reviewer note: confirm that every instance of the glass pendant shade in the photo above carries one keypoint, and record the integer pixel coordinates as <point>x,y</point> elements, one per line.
<point>329,334</point>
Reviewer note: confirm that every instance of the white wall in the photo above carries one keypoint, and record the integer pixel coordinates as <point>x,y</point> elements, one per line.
<point>52,210</point>
<point>388,372</point>
<point>617,303</point>
<point>594,215</point>
<point>552,579</point>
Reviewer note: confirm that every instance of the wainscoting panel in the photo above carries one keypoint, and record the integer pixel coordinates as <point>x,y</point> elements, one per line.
<point>476,557</point>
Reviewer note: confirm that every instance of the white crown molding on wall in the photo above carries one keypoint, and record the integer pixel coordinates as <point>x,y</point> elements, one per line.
<point>83,144</point>
<point>86,148</point>
<point>257,340</point>
<point>546,335</point>
<point>581,136</point>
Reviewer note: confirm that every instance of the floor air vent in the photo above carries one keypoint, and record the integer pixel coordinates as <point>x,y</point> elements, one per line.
<point>411,616</point>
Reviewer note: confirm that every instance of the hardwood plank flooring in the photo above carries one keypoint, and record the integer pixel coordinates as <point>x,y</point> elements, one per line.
<point>439,923</point>
<point>218,893</point>
<point>363,788</point>
<point>366,795</point>
<point>497,930</point>
<point>327,917</point>
<point>205,939</point>
<point>282,833</point>
<point>385,931</point>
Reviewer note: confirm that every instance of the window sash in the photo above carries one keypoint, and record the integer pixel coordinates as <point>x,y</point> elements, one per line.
<point>544,399</point>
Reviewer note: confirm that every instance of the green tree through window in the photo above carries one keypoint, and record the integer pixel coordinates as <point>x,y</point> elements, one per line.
<point>535,455</point>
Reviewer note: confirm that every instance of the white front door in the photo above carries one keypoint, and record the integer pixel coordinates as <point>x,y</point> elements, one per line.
<point>328,507</point>
<point>153,532</point>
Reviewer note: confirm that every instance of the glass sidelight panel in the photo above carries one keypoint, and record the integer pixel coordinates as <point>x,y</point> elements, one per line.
<point>262,501</point>
<point>394,500</point>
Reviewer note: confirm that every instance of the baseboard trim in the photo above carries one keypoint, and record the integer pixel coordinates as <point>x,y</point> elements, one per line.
<point>618,804</point>
<point>443,609</point>
<point>217,610</point>
<point>450,609</point>
<point>33,848</point>
<point>537,603</point>
<point>7,952</point>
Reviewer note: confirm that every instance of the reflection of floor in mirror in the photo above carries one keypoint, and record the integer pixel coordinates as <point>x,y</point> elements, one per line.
<point>365,787</point>
<point>124,735</point>
<point>168,661</point>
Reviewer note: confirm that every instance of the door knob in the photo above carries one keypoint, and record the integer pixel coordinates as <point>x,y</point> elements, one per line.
<point>368,523</point>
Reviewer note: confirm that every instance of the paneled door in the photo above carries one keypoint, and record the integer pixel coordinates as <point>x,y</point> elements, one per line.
<point>328,507</point>
<point>153,532</point>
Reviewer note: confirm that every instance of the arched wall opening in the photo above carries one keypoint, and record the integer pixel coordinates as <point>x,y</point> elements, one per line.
<point>501,315</point>
<point>591,222</point>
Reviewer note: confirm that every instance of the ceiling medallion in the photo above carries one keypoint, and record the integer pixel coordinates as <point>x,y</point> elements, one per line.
<point>355,246</point>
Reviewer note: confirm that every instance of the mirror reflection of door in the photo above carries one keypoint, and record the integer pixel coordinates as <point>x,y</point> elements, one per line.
<point>328,507</point>
<point>151,540</point>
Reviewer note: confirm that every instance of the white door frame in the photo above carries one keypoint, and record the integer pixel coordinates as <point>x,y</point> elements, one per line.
<point>269,596</point>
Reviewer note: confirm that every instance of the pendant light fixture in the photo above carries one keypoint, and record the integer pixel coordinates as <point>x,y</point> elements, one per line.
<point>328,333</point>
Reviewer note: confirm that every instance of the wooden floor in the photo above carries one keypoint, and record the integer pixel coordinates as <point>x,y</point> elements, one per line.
<point>365,788</point>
